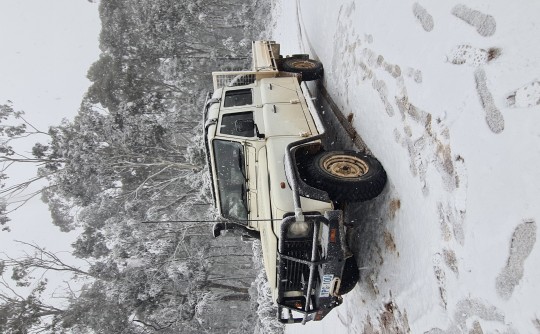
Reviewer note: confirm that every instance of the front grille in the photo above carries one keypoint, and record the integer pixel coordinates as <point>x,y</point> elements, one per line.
<point>298,248</point>
<point>296,274</point>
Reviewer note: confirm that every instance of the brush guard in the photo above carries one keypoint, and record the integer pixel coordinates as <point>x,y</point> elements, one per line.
<point>310,269</point>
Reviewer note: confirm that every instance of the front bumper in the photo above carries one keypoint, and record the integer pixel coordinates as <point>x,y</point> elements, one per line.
<point>310,269</point>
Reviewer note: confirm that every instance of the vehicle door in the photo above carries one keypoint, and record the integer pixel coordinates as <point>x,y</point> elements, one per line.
<point>238,122</point>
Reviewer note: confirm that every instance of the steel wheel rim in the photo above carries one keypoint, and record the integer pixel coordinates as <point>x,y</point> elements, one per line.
<point>345,166</point>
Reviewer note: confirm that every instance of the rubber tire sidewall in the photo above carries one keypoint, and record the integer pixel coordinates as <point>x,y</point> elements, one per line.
<point>350,276</point>
<point>343,190</point>
<point>308,74</point>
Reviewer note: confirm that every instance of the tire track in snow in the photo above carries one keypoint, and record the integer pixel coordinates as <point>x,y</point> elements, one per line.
<point>389,320</point>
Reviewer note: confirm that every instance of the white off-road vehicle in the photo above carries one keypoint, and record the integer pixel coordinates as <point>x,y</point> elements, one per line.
<point>272,178</point>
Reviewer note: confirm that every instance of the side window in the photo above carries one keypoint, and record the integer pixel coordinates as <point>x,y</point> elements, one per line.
<point>238,97</point>
<point>238,124</point>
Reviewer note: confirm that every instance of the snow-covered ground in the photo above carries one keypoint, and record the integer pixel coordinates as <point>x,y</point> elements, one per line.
<point>447,96</point>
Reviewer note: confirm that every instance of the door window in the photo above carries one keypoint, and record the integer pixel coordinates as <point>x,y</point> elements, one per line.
<point>238,124</point>
<point>238,97</point>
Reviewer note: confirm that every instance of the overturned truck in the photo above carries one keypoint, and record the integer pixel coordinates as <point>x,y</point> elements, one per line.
<point>273,179</point>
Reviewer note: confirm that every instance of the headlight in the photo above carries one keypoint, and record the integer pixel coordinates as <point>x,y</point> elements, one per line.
<point>298,230</point>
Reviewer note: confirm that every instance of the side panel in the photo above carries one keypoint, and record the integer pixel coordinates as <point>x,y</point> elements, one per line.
<point>279,90</point>
<point>285,120</point>
<point>283,113</point>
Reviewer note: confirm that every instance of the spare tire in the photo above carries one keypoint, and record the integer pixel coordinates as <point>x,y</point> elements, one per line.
<point>309,68</point>
<point>346,176</point>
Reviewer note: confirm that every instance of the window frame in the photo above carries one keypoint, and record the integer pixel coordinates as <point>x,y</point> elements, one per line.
<point>226,179</point>
<point>225,125</point>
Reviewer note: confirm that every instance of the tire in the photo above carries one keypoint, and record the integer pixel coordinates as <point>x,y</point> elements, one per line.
<point>309,68</point>
<point>346,176</point>
<point>350,276</point>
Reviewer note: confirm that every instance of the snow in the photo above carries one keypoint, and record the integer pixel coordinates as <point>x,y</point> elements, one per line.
<point>446,96</point>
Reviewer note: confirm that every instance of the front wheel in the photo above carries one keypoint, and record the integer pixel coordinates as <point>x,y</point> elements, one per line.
<point>346,176</point>
<point>350,276</point>
<point>309,68</point>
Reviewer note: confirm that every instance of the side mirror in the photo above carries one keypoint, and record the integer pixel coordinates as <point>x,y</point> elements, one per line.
<point>217,228</point>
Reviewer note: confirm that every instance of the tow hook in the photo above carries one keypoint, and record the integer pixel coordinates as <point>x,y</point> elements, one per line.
<point>334,287</point>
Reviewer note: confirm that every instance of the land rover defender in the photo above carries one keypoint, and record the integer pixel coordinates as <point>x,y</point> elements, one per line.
<point>273,179</point>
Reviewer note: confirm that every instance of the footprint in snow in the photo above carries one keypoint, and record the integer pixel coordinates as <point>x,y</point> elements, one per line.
<point>522,243</point>
<point>494,117</point>
<point>526,96</point>
<point>422,15</point>
<point>472,311</point>
<point>485,24</point>
<point>468,55</point>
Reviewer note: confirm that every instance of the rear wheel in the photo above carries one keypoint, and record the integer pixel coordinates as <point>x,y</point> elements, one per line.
<point>309,68</point>
<point>346,176</point>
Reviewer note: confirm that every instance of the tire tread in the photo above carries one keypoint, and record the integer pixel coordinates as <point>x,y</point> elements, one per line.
<point>364,188</point>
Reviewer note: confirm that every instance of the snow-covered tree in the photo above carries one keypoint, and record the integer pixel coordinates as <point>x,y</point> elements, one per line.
<point>133,153</point>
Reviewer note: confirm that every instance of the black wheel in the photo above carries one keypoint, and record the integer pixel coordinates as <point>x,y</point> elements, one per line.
<point>309,68</point>
<point>346,176</point>
<point>350,276</point>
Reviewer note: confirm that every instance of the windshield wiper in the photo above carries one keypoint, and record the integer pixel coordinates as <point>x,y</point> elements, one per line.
<point>244,197</point>
<point>241,164</point>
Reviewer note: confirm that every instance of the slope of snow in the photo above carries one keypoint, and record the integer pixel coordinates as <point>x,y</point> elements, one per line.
<point>446,95</point>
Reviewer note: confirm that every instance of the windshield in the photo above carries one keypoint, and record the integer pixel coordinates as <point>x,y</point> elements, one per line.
<point>231,176</point>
